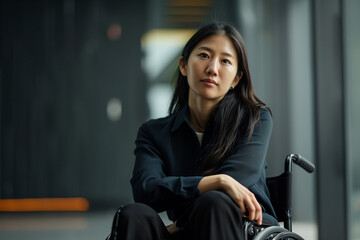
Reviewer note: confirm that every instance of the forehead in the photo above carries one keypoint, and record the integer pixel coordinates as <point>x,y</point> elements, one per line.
<point>217,43</point>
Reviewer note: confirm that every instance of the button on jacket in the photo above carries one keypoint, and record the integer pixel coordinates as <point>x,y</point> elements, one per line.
<point>168,156</point>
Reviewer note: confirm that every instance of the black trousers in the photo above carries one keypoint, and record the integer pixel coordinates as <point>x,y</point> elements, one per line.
<point>213,216</point>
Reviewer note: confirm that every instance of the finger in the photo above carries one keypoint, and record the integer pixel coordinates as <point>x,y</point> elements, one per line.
<point>258,214</point>
<point>254,208</point>
<point>259,221</point>
<point>250,208</point>
<point>242,208</point>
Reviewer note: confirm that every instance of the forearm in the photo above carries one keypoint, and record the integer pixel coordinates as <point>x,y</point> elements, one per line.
<point>213,182</point>
<point>166,192</point>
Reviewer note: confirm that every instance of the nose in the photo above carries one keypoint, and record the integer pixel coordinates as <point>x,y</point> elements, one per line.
<point>213,68</point>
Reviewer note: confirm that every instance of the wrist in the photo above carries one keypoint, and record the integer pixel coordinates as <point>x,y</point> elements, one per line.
<point>213,182</point>
<point>222,181</point>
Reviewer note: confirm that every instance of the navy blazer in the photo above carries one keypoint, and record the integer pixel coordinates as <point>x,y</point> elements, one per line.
<point>168,155</point>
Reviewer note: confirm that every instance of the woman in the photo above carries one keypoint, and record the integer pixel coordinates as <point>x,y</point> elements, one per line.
<point>205,163</point>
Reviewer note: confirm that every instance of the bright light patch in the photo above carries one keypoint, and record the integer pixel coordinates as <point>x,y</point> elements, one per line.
<point>114,109</point>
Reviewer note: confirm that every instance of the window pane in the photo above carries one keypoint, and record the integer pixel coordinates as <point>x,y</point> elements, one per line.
<point>352,76</point>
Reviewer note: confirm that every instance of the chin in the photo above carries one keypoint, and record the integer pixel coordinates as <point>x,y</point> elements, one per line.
<point>212,97</point>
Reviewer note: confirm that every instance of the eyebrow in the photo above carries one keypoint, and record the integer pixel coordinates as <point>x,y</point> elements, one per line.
<point>210,50</point>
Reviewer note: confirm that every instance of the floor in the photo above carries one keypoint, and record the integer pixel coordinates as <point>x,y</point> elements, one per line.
<point>87,225</point>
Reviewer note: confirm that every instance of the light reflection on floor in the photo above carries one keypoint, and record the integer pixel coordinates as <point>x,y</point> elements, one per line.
<point>56,226</point>
<point>306,230</point>
<point>87,225</point>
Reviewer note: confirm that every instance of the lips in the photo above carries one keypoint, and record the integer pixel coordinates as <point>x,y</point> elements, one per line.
<point>209,81</point>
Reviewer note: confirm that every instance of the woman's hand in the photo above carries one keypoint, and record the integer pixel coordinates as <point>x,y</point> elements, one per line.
<point>172,228</point>
<point>242,196</point>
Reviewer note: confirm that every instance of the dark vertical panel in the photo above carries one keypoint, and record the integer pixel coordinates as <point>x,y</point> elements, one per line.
<point>21,58</point>
<point>331,194</point>
<point>58,71</point>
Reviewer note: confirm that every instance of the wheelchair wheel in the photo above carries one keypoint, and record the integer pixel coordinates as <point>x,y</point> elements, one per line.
<point>287,235</point>
<point>276,233</point>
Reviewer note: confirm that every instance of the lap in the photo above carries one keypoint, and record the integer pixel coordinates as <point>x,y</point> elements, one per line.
<point>210,207</point>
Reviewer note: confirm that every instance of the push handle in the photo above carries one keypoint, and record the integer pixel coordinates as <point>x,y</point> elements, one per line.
<point>303,163</point>
<point>300,161</point>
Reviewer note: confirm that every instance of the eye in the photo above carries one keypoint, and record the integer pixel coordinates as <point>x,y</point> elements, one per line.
<point>226,61</point>
<point>203,55</point>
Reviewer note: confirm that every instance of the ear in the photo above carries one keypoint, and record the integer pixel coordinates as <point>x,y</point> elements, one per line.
<point>236,80</point>
<point>182,67</point>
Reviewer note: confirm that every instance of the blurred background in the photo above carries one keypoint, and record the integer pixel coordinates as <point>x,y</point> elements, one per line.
<point>78,78</point>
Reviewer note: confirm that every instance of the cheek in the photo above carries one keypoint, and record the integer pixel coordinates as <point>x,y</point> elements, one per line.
<point>228,76</point>
<point>190,76</point>
<point>194,71</point>
<point>232,74</point>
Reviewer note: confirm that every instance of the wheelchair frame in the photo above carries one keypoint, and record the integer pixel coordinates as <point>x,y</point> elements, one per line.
<point>278,187</point>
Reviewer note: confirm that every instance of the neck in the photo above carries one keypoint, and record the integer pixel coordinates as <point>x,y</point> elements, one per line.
<point>200,112</point>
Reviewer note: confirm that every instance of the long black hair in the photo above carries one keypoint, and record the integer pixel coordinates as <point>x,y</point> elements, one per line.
<point>236,114</point>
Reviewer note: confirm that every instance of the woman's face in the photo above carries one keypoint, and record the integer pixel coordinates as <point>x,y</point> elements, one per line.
<point>211,68</point>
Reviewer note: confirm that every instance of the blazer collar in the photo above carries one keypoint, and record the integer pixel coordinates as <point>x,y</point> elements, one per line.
<point>181,117</point>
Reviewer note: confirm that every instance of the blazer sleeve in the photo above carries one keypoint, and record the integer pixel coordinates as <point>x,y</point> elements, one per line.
<point>150,184</point>
<point>247,163</point>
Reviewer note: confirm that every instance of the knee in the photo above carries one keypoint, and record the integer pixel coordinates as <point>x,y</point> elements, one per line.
<point>214,207</point>
<point>136,211</point>
<point>215,200</point>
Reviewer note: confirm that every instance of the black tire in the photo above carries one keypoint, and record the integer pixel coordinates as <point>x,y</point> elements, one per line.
<point>264,234</point>
<point>287,235</point>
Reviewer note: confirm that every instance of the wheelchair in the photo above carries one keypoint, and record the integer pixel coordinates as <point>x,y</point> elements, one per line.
<point>280,195</point>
